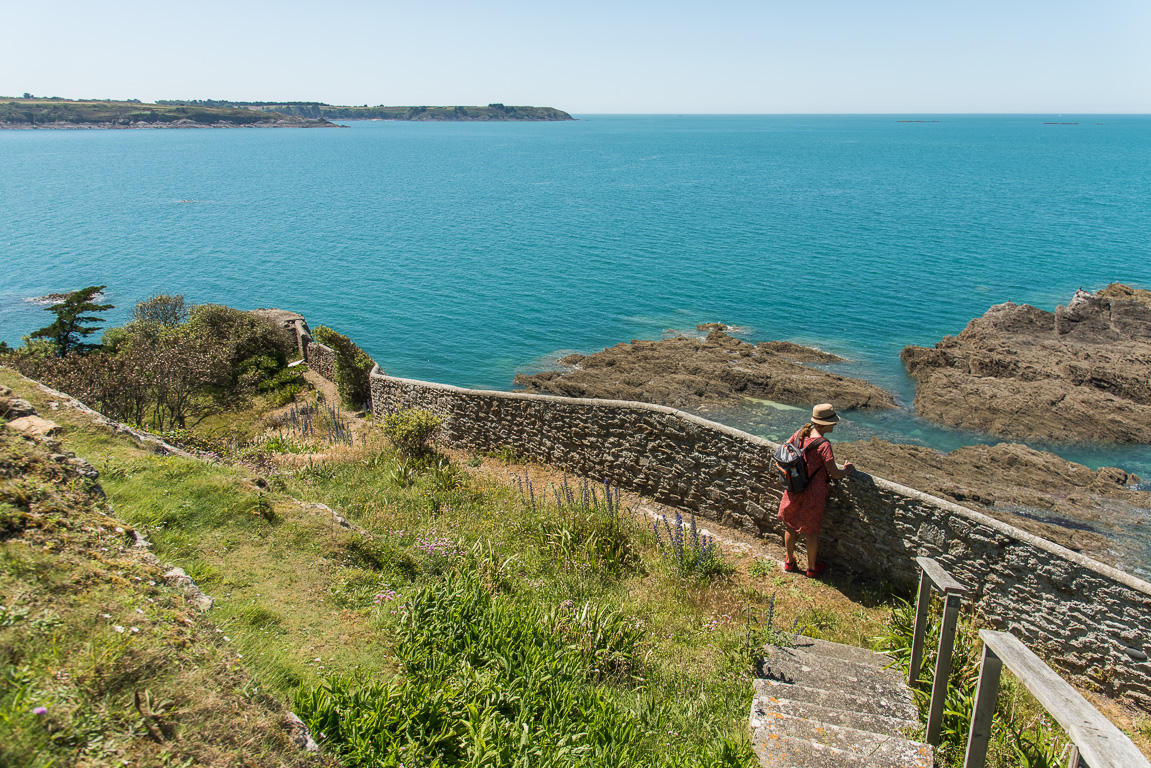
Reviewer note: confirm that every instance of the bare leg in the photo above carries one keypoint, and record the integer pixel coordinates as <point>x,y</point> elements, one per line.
<point>790,536</point>
<point>812,550</point>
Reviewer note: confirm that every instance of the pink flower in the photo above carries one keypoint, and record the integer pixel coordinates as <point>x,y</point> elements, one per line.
<point>40,711</point>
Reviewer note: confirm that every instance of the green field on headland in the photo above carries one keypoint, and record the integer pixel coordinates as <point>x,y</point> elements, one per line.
<point>65,113</point>
<point>318,109</point>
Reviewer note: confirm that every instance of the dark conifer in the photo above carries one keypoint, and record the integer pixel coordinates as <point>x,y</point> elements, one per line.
<point>75,321</point>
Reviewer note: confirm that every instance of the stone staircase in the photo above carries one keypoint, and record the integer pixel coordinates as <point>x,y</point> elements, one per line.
<point>826,705</point>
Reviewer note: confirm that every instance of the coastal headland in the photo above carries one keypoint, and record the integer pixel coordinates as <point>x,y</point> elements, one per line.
<point>39,113</point>
<point>494,112</point>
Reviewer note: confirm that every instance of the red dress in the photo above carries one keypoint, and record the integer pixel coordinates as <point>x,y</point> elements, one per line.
<point>803,511</point>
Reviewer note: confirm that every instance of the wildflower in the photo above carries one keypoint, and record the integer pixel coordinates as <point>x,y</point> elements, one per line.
<point>135,629</point>
<point>40,711</point>
<point>118,628</point>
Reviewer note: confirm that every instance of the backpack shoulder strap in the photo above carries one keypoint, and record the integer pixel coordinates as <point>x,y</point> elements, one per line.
<point>814,444</point>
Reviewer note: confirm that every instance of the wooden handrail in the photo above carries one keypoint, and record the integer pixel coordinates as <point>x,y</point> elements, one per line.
<point>1096,741</point>
<point>933,575</point>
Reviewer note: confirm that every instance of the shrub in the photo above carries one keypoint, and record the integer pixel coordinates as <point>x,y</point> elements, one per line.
<point>162,309</point>
<point>410,430</point>
<point>154,382</point>
<point>353,366</point>
<point>254,347</point>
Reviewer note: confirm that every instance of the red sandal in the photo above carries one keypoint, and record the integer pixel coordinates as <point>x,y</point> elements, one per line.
<point>790,566</point>
<point>819,569</point>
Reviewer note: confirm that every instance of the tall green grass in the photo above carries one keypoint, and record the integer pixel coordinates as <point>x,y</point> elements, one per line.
<point>493,681</point>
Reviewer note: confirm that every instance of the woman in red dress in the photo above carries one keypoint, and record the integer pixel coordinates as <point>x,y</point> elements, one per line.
<point>802,513</point>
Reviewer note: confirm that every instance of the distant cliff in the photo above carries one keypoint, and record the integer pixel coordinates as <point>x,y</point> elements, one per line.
<point>320,110</point>
<point>26,113</point>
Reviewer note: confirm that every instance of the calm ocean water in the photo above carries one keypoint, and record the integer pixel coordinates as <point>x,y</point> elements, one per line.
<point>465,252</point>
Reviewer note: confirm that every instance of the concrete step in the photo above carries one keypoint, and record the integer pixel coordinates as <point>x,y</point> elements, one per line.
<point>841,651</point>
<point>763,706</point>
<point>812,670</point>
<point>898,705</point>
<point>782,741</point>
<point>784,752</point>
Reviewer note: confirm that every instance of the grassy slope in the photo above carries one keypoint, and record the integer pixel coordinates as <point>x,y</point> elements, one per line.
<point>87,626</point>
<point>295,593</point>
<point>295,590</point>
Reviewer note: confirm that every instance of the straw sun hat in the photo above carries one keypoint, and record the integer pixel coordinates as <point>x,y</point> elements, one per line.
<point>824,414</point>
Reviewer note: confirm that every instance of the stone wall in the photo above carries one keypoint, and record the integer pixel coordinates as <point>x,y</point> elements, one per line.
<point>320,359</point>
<point>1084,617</point>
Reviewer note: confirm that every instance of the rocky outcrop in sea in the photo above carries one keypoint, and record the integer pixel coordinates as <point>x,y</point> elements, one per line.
<point>687,373</point>
<point>1079,374</point>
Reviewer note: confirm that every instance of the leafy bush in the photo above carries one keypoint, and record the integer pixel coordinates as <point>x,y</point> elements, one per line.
<point>409,430</point>
<point>353,366</point>
<point>162,309</point>
<point>162,374</point>
<point>254,347</point>
<point>154,382</point>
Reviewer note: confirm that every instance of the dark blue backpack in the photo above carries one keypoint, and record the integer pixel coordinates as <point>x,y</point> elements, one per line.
<point>791,462</point>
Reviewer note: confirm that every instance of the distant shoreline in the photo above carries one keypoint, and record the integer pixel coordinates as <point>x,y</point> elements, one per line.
<point>107,126</point>
<point>32,113</point>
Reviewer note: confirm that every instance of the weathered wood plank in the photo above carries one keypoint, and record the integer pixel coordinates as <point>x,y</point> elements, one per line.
<point>1101,744</point>
<point>942,668</point>
<point>986,694</point>
<point>922,603</point>
<point>941,578</point>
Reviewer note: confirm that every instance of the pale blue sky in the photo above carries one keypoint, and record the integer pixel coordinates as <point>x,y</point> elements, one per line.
<point>725,56</point>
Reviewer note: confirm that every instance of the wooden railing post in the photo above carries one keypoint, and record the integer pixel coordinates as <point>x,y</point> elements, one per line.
<point>986,694</point>
<point>1095,739</point>
<point>933,576</point>
<point>922,603</point>
<point>942,667</point>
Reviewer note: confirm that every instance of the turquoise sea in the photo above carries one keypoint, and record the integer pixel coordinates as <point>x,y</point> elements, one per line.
<point>468,252</point>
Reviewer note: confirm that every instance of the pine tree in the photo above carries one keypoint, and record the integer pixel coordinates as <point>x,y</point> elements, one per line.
<point>75,321</point>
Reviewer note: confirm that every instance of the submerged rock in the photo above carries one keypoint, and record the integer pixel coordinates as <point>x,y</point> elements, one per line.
<point>1081,373</point>
<point>686,373</point>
